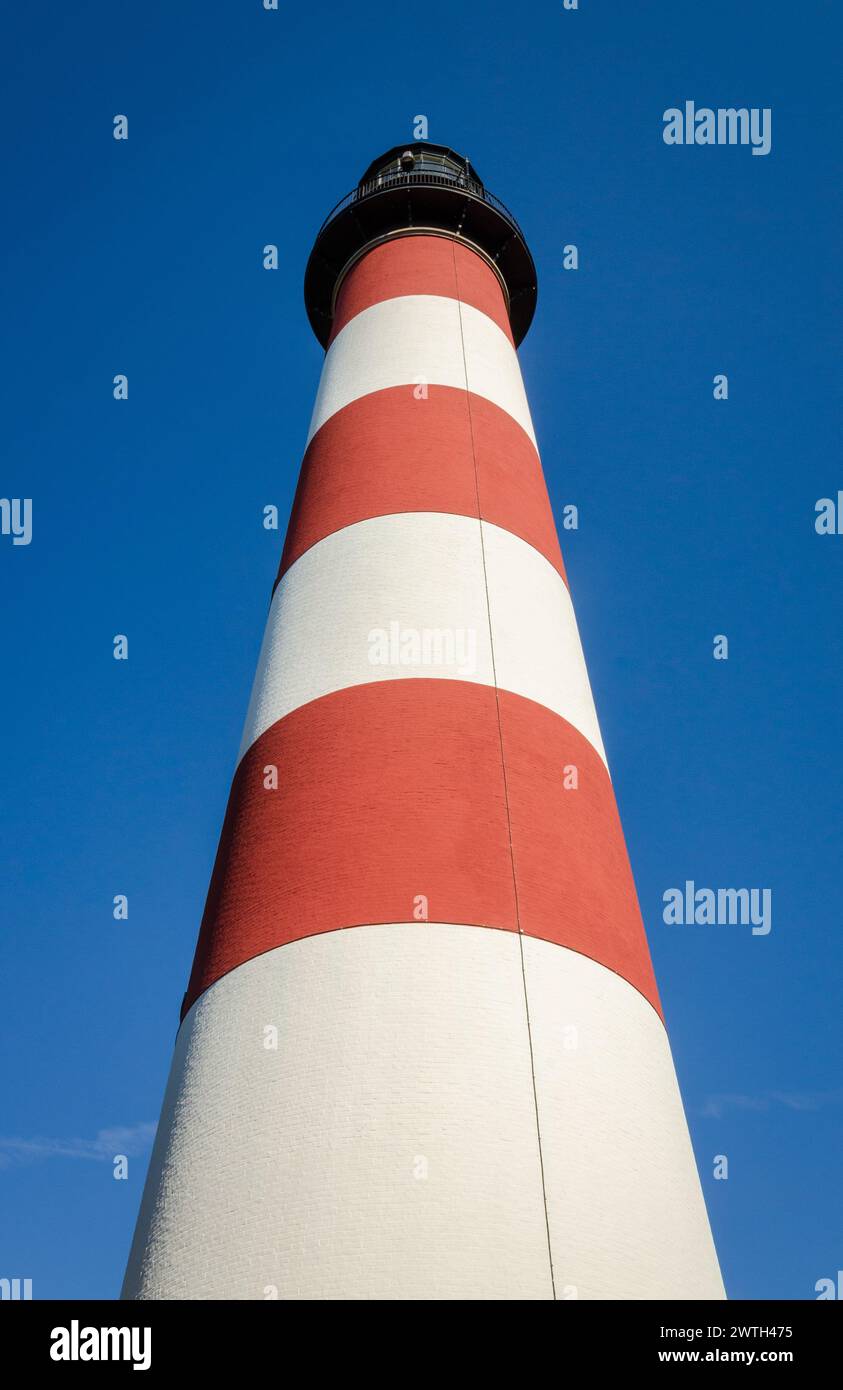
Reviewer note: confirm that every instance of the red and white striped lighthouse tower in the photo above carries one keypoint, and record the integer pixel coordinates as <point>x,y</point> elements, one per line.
<point>422,1054</point>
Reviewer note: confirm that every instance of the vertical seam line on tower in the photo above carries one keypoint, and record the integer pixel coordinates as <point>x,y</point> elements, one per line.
<point>503,769</point>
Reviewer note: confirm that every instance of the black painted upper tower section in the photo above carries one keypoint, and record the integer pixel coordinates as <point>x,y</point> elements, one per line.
<point>413,189</point>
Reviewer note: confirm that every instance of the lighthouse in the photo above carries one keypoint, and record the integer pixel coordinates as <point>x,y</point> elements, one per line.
<point>422,1053</point>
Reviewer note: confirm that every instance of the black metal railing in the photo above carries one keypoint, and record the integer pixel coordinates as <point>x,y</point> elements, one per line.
<point>459,182</point>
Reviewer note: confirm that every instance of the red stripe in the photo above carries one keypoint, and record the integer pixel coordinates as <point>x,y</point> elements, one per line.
<point>421,265</point>
<point>395,789</point>
<point>575,884</point>
<point>389,452</point>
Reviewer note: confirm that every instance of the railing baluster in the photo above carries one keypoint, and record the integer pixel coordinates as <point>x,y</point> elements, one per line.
<point>401,179</point>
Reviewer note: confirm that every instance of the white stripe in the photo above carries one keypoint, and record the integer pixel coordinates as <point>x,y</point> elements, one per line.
<point>538,652</point>
<point>625,1209</point>
<point>422,573</point>
<point>420,337</point>
<point>388,1148</point>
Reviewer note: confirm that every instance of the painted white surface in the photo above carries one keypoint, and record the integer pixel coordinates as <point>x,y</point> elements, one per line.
<point>625,1208</point>
<point>423,571</point>
<point>302,1170</point>
<point>297,1169</point>
<point>421,336</point>
<point>538,652</point>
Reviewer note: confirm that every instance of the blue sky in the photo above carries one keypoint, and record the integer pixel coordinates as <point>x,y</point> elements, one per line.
<point>696,518</point>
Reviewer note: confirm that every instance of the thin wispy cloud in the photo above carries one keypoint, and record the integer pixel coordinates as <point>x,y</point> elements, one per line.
<point>716,1106</point>
<point>130,1140</point>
